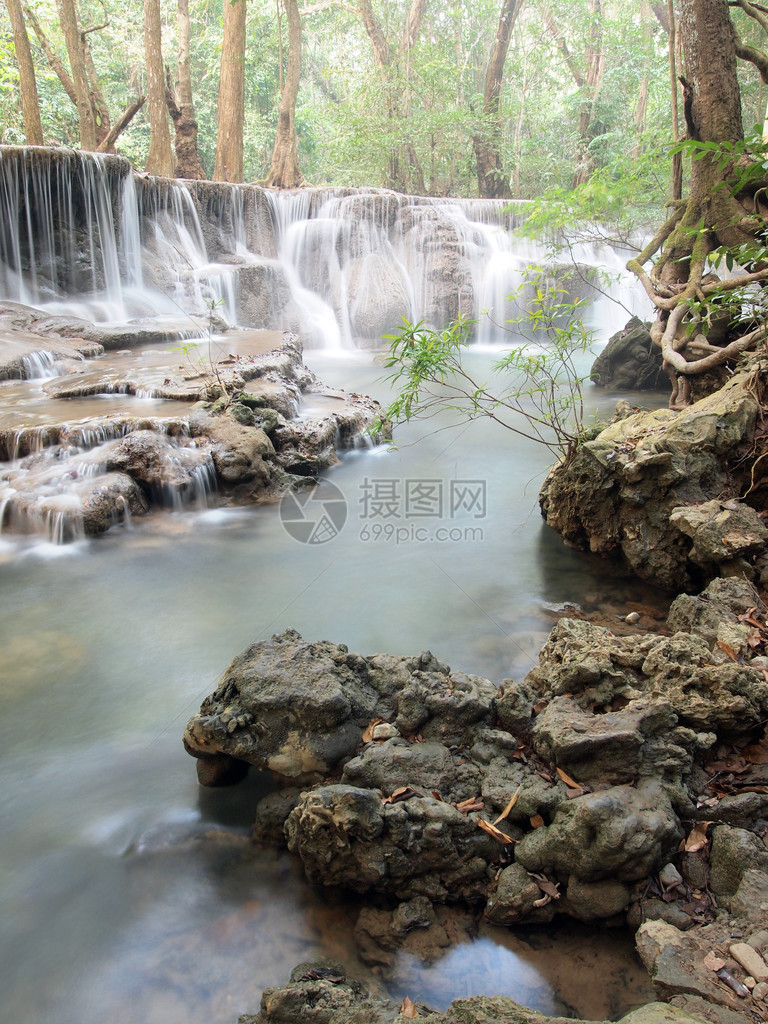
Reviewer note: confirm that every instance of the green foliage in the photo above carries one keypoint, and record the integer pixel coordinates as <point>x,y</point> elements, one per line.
<point>535,390</point>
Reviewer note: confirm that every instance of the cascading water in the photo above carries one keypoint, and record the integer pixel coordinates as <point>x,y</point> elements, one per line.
<point>81,234</point>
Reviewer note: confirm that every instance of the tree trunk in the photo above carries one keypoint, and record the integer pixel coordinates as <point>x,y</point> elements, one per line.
<point>594,81</point>
<point>30,106</point>
<point>160,157</point>
<point>492,183</point>
<point>284,170</point>
<point>72,36</point>
<point>229,136</point>
<point>181,106</point>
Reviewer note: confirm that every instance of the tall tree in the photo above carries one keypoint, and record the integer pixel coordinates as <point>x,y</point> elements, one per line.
<point>181,104</point>
<point>284,171</point>
<point>229,136</point>
<point>30,105</point>
<point>492,183</point>
<point>70,26</point>
<point>725,208</point>
<point>106,132</point>
<point>160,157</point>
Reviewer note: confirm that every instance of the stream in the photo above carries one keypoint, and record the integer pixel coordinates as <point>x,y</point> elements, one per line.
<point>130,894</point>
<point>127,892</point>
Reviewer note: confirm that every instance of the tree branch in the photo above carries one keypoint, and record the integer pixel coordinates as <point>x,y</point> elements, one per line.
<point>120,125</point>
<point>53,59</point>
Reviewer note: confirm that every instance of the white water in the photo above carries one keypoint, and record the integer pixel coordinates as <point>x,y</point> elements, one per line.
<point>341,268</point>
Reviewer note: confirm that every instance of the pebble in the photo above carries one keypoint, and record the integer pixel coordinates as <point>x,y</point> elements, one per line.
<point>384,731</point>
<point>750,960</point>
<point>760,991</point>
<point>632,618</point>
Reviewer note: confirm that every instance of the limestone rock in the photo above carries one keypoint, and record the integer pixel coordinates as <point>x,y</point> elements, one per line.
<point>630,361</point>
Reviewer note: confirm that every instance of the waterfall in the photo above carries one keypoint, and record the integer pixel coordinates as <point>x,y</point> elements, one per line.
<point>81,234</point>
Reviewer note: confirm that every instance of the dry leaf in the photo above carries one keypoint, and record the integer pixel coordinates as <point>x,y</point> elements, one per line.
<point>408,1008</point>
<point>537,821</point>
<point>728,650</point>
<point>502,837</point>
<point>510,805</point>
<point>472,803</point>
<point>697,838</point>
<point>756,753</point>
<point>401,793</point>
<point>437,796</point>
<point>542,901</point>
<point>570,783</point>
<point>368,734</point>
<point>550,888</point>
<point>713,962</point>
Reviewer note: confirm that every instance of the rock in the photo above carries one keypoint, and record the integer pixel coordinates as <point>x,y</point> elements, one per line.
<point>724,536</point>
<point>515,898</point>
<point>750,960</point>
<point>326,689</point>
<point>616,496</point>
<point>749,904</point>
<point>630,361</point>
<point>734,851</point>
<point>621,832</point>
<point>670,877</point>
<point>589,901</point>
<point>722,601</point>
<point>241,454</point>
<point>169,473</point>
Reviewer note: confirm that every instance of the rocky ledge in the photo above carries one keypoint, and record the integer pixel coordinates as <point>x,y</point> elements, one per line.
<point>624,780</point>
<point>677,495</point>
<point>232,428</point>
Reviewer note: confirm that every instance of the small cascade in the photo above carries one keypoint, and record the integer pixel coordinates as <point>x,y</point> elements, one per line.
<point>39,366</point>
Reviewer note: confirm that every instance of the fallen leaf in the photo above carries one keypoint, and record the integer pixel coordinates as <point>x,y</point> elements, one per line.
<point>510,805</point>
<point>408,1008</point>
<point>502,837</point>
<point>697,838</point>
<point>542,901</point>
<point>537,821</point>
<point>539,706</point>
<point>437,796</point>
<point>756,753</point>
<point>472,803</point>
<point>550,888</point>
<point>368,733</point>
<point>728,650</point>
<point>570,783</point>
<point>401,793</point>
<point>713,962</point>
<point>731,765</point>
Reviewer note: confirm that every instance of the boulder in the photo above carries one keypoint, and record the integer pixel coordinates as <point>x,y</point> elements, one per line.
<point>630,361</point>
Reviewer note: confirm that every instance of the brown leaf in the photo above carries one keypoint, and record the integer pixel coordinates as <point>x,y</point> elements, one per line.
<point>472,803</point>
<point>570,783</point>
<point>502,837</point>
<point>697,838</point>
<point>408,1008</point>
<point>401,793</point>
<point>542,901</point>
<point>539,706</point>
<point>437,796</point>
<point>713,962</point>
<point>510,805</point>
<point>537,821</point>
<point>550,888</point>
<point>756,753</point>
<point>731,765</point>
<point>728,650</point>
<point>368,733</point>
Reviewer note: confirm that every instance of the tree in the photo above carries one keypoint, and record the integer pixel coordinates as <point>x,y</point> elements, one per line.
<point>394,65</point>
<point>33,127</point>
<point>229,136</point>
<point>284,171</point>
<point>181,105</point>
<point>106,133</point>
<point>70,26</point>
<point>724,217</point>
<point>160,157</point>
<point>491,180</point>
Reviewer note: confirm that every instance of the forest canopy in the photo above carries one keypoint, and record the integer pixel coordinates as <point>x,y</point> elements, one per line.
<point>503,98</point>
